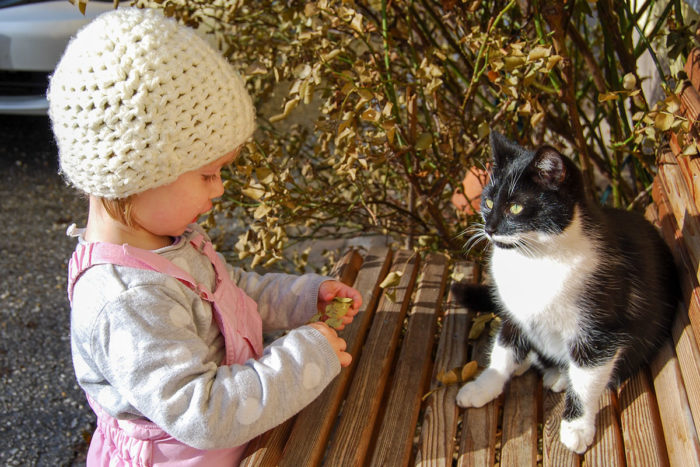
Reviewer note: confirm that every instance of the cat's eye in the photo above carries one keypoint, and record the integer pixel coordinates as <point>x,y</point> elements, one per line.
<point>516,208</point>
<point>489,203</point>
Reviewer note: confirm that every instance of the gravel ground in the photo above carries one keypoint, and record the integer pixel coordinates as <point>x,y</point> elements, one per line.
<point>44,419</point>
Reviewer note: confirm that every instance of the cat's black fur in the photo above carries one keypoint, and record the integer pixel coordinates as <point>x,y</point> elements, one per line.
<point>624,303</point>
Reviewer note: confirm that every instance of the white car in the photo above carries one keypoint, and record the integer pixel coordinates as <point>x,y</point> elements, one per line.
<point>33,35</point>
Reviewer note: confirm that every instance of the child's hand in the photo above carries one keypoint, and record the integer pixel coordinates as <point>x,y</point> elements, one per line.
<point>339,345</point>
<point>332,289</point>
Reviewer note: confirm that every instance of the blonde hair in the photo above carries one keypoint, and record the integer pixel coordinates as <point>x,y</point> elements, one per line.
<point>120,209</point>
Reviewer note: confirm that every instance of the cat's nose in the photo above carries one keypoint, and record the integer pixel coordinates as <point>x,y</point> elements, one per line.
<point>490,229</point>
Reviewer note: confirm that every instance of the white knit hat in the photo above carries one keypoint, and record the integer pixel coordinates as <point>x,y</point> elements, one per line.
<point>137,100</point>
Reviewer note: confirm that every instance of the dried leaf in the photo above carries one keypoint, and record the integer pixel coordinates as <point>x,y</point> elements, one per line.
<point>391,280</point>
<point>458,375</point>
<point>479,324</point>
<point>663,121</point>
<point>451,377</point>
<point>552,61</point>
<point>288,107</point>
<point>513,62</point>
<point>629,81</point>
<point>538,52</point>
<point>468,371</point>
<point>334,313</point>
<point>254,190</point>
<point>607,96</point>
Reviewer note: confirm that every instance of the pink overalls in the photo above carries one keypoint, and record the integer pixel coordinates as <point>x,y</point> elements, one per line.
<point>140,442</point>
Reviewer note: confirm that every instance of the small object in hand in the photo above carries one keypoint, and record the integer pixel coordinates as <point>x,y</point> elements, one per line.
<point>333,315</point>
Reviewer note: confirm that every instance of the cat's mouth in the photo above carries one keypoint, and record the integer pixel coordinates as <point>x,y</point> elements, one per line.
<point>520,239</point>
<point>504,241</point>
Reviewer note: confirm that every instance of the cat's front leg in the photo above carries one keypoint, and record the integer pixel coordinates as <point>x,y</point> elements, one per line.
<point>578,420</point>
<point>506,358</point>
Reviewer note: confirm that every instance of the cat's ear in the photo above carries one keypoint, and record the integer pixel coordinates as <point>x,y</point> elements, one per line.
<point>549,168</point>
<point>502,149</point>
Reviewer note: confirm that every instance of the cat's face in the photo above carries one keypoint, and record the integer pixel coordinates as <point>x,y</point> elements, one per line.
<point>530,196</point>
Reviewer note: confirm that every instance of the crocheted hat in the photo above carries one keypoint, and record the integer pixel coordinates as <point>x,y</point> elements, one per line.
<point>137,100</point>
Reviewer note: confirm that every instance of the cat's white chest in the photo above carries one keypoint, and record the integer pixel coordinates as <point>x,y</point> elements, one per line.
<point>529,286</point>
<point>543,291</point>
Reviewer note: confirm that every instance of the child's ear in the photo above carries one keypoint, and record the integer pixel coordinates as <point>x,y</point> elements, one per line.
<point>549,168</point>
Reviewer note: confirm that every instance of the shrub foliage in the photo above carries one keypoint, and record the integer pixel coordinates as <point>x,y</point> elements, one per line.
<point>370,112</point>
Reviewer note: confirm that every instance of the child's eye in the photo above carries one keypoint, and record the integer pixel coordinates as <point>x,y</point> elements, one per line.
<point>516,208</point>
<point>489,203</point>
<point>210,177</point>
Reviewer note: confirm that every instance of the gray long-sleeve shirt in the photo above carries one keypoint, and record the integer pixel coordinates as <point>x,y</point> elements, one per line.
<point>146,346</point>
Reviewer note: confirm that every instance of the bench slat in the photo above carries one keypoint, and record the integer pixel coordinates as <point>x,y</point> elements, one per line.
<point>641,425</point>
<point>692,67</point>
<point>676,209</point>
<point>439,427</point>
<point>684,338</point>
<point>267,449</point>
<point>679,429</point>
<point>554,453</point>
<point>607,448</point>
<point>311,430</point>
<point>353,436</point>
<point>477,444</point>
<point>520,409</point>
<point>395,439</point>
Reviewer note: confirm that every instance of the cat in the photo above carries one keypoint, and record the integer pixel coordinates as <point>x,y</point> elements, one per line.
<point>586,294</point>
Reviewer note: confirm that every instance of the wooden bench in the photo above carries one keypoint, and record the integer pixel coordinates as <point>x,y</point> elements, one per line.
<point>388,407</point>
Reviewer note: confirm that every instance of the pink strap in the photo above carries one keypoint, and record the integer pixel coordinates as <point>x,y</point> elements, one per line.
<point>86,255</point>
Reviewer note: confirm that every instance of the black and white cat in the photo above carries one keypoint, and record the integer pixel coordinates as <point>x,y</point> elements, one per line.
<point>585,293</point>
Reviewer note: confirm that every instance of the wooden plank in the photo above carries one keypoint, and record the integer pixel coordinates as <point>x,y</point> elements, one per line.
<point>688,359</point>
<point>352,438</point>
<point>554,453</point>
<point>680,224</point>
<point>436,445</point>
<point>267,449</point>
<point>520,410</point>
<point>477,446</point>
<point>347,268</point>
<point>684,336</point>
<point>394,441</point>
<point>607,447</point>
<point>478,440</point>
<point>642,432</point>
<point>679,429</point>
<point>692,67</point>
<point>690,100</point>
<point>312,428</point>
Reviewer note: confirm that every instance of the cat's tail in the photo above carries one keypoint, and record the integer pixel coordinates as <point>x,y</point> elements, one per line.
<point>476,297</point>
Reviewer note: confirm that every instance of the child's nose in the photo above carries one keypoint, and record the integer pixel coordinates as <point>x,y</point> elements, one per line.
<point>217,188</point>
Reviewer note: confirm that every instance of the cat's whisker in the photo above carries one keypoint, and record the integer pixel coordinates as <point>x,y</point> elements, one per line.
<point>471,229</point>
<point>475,240</point>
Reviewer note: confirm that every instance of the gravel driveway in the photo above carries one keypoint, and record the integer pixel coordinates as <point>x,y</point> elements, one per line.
<point>44,419</point>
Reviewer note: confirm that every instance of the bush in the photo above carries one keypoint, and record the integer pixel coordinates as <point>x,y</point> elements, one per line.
<point>371,112</point>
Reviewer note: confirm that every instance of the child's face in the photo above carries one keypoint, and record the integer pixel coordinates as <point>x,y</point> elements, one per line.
<point>166,211</point>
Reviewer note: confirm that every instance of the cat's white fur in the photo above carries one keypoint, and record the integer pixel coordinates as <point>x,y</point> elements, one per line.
<point>542,291</point>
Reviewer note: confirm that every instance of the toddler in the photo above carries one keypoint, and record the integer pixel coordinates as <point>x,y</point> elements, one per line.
<point>166,336</point>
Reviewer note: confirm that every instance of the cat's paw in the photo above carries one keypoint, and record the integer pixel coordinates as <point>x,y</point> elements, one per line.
<point>577,434</point>
<point>483,390</point>
<point>554,379</point>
